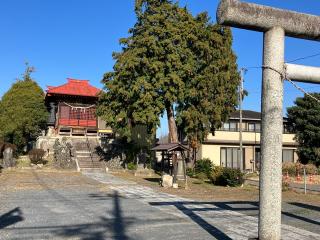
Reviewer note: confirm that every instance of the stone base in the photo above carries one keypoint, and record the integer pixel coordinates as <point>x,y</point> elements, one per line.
<point>166,181</point>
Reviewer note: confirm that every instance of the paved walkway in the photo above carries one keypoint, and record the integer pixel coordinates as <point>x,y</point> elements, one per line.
<point>215,219</point>
<point>73,206</point>
<point>44,208</point>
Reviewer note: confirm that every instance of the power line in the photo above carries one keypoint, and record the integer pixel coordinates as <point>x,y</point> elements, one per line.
<point>285,77</point>
<point>290,61</point>
<point>302,58</point>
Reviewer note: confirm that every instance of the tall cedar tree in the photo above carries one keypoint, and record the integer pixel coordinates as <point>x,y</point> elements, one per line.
<point>22,112</point>
<point>211,93</point>
<point>305,119</point>
<point>171,59</point>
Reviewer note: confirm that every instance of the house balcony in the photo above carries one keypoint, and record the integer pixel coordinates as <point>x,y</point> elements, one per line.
<point>251,138</point>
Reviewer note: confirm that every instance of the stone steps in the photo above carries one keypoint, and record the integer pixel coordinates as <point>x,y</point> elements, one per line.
<point>86,158</point>
<point>89,166</point>
<point>92,170</point>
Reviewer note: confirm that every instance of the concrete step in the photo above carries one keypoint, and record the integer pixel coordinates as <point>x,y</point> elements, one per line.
<point>88,160</point>
<point>88,155</point>
<point>92,170</point>
<point>82,152</point>
<point>83,160</point>
<point>83,156</point>
<point>89,165</point>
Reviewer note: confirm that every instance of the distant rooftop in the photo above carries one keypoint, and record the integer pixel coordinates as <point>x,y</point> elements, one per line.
<point>74,87</point>
<point>247,114</point>
<point>170,147</point>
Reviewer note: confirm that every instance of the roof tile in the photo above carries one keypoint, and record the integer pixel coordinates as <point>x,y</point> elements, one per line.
<point>75,87</point>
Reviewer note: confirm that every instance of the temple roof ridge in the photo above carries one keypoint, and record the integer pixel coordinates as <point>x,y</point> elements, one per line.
<point>75,87</point>
<point>78,80</point>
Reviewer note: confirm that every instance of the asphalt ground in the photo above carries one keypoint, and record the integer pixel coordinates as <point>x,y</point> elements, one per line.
<point>37,205</point>
<point>43,208</point>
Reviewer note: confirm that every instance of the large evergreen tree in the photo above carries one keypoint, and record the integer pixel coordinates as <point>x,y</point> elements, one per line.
<point>211,93</point>
<point>171,60</point>
<point>305,119</point>
<point>22,113</point>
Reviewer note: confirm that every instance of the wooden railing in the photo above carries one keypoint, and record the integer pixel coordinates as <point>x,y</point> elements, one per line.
<point>78,122</point>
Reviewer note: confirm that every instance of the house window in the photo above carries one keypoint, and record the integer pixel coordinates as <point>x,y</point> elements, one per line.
<point>230,126</point>
<point>254,127</point>
<point>233,126</point>
<point>251,127</point>
<point>258,127</point>
<point>226,126</point>
<point>287,155</point>
<point>230,157</point>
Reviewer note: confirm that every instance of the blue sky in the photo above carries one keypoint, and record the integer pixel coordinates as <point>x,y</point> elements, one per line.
<point>76,38</point>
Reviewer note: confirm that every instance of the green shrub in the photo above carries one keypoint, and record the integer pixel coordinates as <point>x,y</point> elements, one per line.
<point>132,166</point>
<point>311,169</point>
<point>202,176</point>
<point>36,156</point>
<point>216,173</point>
<point>293,168</point>
<point>190,172</point>
<point>229,177</point>
<point>204,166</point>
<point>251,175</point>
<point>285,186</point>
<point>290,168</point>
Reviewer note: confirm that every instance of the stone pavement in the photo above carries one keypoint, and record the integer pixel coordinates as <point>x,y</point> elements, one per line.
<point>52,209</point>
<point>73,206</point>
<point>215,219</point>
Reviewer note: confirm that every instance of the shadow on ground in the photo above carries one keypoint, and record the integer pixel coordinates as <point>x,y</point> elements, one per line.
<point>114,226</point>
<point>155,180</point>
<point>250,208</point>
<point>11,217</point>
<point>107,224</point>
<point>307,206</point>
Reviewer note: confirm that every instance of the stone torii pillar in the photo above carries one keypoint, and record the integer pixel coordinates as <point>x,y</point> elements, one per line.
<point>275,25</point>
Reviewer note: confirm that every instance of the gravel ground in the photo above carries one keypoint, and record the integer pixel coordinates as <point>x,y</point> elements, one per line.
<point>68,205</point>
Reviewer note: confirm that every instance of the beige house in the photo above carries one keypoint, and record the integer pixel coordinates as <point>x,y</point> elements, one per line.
<point>222,148</point>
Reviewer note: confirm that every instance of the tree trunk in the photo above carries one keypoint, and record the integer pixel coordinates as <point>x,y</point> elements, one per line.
<point>173,134</point>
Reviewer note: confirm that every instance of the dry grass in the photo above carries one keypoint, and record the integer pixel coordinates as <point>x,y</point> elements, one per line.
<point>17,180</point>
<point>199,190</point>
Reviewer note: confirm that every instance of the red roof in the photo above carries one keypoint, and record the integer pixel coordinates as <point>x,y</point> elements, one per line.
<point>75,87</point>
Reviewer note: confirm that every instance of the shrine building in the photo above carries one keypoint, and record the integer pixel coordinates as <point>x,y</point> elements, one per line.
<point>72,108</point>
<point>72,118</point>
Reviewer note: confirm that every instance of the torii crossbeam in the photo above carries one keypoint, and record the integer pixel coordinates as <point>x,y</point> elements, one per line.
<point>275,25</point>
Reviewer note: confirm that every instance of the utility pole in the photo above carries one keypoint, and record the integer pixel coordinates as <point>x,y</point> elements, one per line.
<point>242,72</point>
